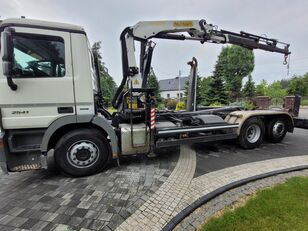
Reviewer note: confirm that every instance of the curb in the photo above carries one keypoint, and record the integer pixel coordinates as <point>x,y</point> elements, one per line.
<point>204,199</point>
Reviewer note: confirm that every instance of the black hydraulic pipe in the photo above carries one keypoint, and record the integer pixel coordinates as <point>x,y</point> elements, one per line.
<point>170,36</point>
<point>251,43</point>
<point>117,99</point>
<point>142,54</point>
<point>147,67</point>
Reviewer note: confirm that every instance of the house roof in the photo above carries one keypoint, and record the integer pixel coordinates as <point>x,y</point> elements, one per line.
<point>174,84</point>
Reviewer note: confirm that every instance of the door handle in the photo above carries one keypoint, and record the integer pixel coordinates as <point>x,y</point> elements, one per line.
<point>65,110</point>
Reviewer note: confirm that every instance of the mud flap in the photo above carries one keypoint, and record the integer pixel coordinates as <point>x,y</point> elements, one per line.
<point>3,166</point>
<point>25,161</point>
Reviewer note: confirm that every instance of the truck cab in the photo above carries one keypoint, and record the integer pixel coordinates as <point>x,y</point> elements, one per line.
<point>51,65</point>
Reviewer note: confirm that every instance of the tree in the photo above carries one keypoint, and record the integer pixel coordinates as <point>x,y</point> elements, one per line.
<point>285,83</point>
<point>203,91</point>
<point>203,97</point>
<point>108,85</point>
<point>233,64</point>
<point>249,88</point>
<point>298,85</point>
<point>261,88</point>
<point>153,82</point>
<point>276,92</point>
<point>96,47</point>
<point>216,92</point>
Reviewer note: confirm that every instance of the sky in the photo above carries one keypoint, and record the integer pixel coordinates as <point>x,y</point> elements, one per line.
<point>104,21</point>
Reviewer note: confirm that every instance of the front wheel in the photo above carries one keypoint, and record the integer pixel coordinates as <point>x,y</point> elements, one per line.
<point>82,152</point>
<point>252,133</point>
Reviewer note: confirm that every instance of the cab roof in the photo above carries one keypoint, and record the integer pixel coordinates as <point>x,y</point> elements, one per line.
<point>24,22</point>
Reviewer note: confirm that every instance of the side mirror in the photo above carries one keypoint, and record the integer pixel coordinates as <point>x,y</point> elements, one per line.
<point>8,56</point>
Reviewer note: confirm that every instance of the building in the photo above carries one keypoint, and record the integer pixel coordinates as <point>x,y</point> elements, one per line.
<point>173,88</point>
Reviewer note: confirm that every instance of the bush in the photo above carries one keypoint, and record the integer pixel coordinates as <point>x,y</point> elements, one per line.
<point>161,106</point>
<point>244,103</point>
<point>216,104</point>
<point>180,106</point>
<point>248,105</point>
<point>171,104</point>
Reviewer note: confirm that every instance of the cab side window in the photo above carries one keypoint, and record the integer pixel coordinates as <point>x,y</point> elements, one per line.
<point>38,56</point>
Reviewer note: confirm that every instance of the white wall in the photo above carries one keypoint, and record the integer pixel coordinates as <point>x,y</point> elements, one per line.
<point>172,94</point>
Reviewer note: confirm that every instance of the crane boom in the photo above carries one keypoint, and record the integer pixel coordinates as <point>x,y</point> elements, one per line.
<point>197,30</point>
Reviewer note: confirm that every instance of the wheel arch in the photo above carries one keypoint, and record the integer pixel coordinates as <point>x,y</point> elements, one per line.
<point>287,118</point>
<point>68,123</point>
<point>241,117</point>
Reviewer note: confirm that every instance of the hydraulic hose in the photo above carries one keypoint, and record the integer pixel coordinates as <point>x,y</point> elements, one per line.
<point>117,99</point>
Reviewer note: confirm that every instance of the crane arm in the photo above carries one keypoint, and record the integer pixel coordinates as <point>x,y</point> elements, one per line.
<point>203,32</point>
<point>197,30</point>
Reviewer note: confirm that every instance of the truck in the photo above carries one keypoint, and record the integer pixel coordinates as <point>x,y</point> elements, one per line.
<point>51,100</point>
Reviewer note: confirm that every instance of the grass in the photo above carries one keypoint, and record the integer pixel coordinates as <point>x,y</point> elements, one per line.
<point>284,207</point>
<point>304,102</point>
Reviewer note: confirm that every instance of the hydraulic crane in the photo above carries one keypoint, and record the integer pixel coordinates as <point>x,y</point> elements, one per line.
<point>201,31</point>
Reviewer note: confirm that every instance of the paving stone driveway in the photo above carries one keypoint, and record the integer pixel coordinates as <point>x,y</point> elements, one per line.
<point>183,190</point>
<point>142,194</point>
<point>48,200</point>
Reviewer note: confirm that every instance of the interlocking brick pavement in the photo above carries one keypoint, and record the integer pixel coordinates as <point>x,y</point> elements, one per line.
<point>142,194</point>
<point>47,200</point>
<point>181,189</point>
<point>160,208</point>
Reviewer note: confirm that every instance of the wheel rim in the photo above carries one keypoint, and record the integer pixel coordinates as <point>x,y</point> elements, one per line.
<point>253,133</point>
<point>83,154</point>
<point>278,129</point>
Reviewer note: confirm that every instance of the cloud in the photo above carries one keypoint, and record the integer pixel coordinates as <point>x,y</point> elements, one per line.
<point>104,21</point>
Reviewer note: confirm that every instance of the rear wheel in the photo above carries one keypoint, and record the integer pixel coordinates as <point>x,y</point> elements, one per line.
<point>276,130</point>
<point>252,133</point>
<point>82,152</point>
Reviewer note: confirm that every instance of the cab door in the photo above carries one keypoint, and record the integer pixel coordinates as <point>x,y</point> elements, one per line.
<point>42,70</point>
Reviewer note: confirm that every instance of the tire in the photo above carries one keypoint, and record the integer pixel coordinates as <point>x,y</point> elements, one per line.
<point>252,133</point>
<point>82,152</point>
<point>276,130</point>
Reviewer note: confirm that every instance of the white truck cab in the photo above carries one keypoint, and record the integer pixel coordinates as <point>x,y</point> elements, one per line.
<point>52,67</point>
